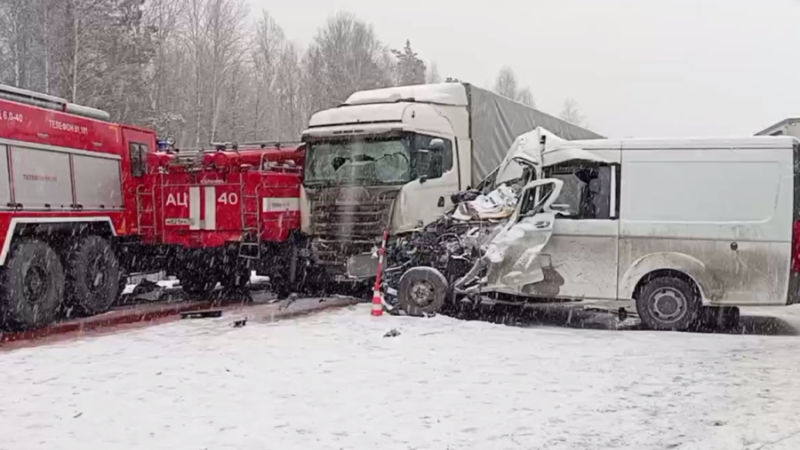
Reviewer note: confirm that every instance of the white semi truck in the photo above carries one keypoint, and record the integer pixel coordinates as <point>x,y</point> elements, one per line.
<point>390,159</point>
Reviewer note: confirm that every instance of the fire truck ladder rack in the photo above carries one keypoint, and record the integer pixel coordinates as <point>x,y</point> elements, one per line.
<point>142,209</point>
<point>235,146</point>
<point>246,246</point>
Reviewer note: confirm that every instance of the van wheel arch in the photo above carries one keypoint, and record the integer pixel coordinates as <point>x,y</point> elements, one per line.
<point>669,263</point>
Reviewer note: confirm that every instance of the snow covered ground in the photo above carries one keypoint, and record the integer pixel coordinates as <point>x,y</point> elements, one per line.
<point>332,381</point>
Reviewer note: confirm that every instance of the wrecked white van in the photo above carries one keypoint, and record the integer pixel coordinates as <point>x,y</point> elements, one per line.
<point>670,227</point>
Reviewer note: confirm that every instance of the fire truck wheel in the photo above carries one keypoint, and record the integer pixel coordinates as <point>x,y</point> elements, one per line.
<point>92,275</point>
<point>32,285</point>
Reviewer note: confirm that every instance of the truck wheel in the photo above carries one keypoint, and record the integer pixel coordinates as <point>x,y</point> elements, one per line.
<point>421,290</point>
<point>668,303</point>
<point>32,285</point>
<point>197,286</point>
<point>93,275</point>
<point>121,285</point>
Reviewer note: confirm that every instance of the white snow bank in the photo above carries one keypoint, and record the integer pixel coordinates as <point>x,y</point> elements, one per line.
<point>332,381</point>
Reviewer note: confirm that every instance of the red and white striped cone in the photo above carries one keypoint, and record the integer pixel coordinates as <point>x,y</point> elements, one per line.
<point>377,297</point>
<point>377,303</point>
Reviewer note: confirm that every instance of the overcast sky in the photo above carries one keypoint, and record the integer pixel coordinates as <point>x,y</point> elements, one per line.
<point>635,67</point>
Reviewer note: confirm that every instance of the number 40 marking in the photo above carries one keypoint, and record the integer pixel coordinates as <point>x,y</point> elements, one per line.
<point>228,198</point>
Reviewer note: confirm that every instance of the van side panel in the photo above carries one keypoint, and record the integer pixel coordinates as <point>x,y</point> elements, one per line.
<point>721,215</point>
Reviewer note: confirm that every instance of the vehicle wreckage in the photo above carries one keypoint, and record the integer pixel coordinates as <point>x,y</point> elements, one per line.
<point>487,249</point>
<point>682,231</point>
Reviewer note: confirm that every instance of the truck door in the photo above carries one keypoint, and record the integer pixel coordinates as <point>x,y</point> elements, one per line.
<point>137,187</point>
<point>583,250</point>
<point>428,197</point>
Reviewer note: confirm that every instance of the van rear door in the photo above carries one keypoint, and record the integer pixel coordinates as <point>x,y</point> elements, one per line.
<point>793,296</point>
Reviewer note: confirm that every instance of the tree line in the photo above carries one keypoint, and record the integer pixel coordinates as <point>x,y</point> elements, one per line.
<point>203,70</point>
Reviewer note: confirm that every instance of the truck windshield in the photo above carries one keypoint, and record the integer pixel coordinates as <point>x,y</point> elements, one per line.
<point>371,161</point>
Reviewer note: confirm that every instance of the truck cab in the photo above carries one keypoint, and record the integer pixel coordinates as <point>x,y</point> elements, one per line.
<point>372,167</point>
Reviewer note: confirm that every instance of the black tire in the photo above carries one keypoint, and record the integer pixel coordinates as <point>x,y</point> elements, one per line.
<point>121,285</point>
<point>93,275</point>
<point>197,286</point>
<point>32,285</point>
<point>681,308</point>
<point>422,290</point>
<point>238,280</point>
<point>721,318</point>
<point>730,318</point>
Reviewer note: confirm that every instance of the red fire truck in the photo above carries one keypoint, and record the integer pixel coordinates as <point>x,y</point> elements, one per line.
<point>215,216</point>
<point>84,201</point>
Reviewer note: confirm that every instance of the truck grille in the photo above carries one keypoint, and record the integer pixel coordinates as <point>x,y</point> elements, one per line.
<point>347,221</point>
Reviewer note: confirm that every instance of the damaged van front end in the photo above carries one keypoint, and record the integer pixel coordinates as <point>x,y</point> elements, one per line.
<point>492,242</point>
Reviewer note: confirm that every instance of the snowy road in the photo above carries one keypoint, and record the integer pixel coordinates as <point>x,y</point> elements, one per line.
<point>332,381</point>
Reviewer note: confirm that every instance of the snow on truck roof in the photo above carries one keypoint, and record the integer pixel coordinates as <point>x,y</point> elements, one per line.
<point>686,143</point>
<point>379,112</point>
<point>451,94</point>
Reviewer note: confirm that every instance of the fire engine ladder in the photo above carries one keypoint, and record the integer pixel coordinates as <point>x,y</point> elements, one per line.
<point>141,210</point>
<point>250,247</point>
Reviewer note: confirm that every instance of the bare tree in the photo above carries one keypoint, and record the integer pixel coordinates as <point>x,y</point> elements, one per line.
<point>432,76</point>
<point>570,113</point>
<point>289,91</point>
<point>345,57</point>
<point>268,49</point>
<point>507,85</point>
<point>225,26</point>
<point>525,96</point>
<point>14,16</point>
<point>194,69</point>
<point>166,92</point>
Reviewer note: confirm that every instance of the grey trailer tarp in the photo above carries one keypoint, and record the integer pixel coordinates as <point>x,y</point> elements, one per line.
<point>495,121</point>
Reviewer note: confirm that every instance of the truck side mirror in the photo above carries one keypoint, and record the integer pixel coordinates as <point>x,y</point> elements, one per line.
<point>423,164</point>
<point>436,145</point>
<point>435,165</point>
<point>431,160</point>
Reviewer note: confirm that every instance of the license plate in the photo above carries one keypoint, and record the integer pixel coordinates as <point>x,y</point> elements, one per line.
<point>178,222</point>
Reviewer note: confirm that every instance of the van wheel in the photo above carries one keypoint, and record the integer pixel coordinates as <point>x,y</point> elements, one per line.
<point>93,275</point>
<point>668,303</point>
<point>421,290</point>
<point>730,318</point>
<point>32,285</point>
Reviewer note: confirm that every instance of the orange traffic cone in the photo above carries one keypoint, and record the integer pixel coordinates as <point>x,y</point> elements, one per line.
<point>377,303</point>
<point>377,298</point>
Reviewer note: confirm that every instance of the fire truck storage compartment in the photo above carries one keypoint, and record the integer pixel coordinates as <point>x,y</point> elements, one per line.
<point>97,182</point>
<point>48,179</point>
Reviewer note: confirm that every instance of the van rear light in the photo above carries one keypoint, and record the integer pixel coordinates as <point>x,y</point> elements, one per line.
<point>796,246</point>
